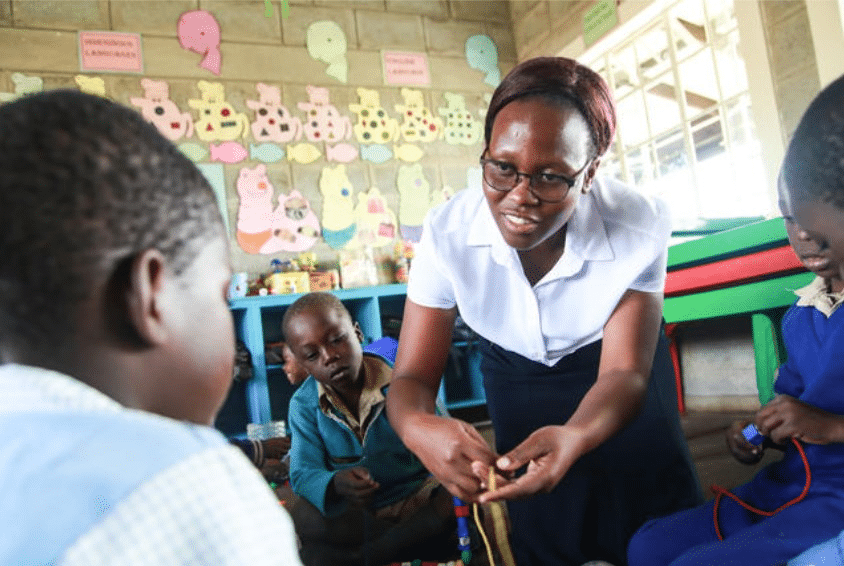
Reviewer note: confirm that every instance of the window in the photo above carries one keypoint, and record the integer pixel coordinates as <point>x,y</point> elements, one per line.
<point>685,131</point>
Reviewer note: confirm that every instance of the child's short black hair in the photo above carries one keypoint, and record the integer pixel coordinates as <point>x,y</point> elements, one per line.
<point>310,301</point>
<point>813,167</point>
<point>85,184</point>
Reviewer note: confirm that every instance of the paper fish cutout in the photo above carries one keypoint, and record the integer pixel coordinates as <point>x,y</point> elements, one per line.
<point>326,42</point>
<point>295,227</point>
<point>322,121</point>
<point>342,152</point>
<point>273,122</point>
<point>193,151</point>
<point>414,200</point>
<point>91,85</point>
<point>460,126</point>
<point>375,153</point>
<point>338,219</point>
<point>199,32</point>
<point>24,84</point>
<point>408,152</point>
<point>418,124</point>
<point>376,223</point>
<point>228,152</point>
<point>303,153</point>
<point>162,112</point>
<point>255,213</point>
<point>266,152</point>
<point>373,125</point>
<point>218,120</point>
<point>482,54</point>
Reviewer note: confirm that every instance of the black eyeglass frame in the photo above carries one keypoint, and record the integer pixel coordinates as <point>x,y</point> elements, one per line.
<point>568,181</point>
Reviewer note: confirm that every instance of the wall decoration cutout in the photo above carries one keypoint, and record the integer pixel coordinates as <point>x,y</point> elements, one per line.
<point>342,152</point>
<point>199,32</point>
<point>162,112</point>
<point>228,152</point>
<point>255,212</point>
<point>373,125</point>
<point>338,218</point>
<point>326,42</point>
<point>24,84</point>
<point>405,68</point>
<point>418,123</point>
<point>273,122</point>
<point>193,151</point>
<point>303,153</point>
<point>218,120</point>
<point>460,126</point>
<point>91,85</point>
<point>440,196</point>
<point>376,223</point>
<point>110,51</point>
<point>376,153</point>
<point>323,122</point>
<point>266,152</point>
<point>482,55</point>
<point>408,152</point>
<point>295,227</point>
<point>414,200</point>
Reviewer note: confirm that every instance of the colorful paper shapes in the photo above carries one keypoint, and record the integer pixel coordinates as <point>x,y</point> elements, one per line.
<point>295,227</point>
<point>255,213</point>
<point>408,152</point>
<point>342,152</point>
<point>303,153</point>
<point>376,153</point>
<point>199,32</point>
<point>162,112</point>
<point>414,200</point>
<point>323,122</point>
<point>326,42</point>
<point>481,54</point>
<point>460,126</point>
<point>418,124</point>
<point>338,219</point>
<point>228,152</point>
<point>373,125</point>
<point>376,223</point>
<point>218,120</point>
<point>24,84</point>
<point>193,151</point>
<point>266,152</point>
<point>273,122</point>
<point>91,85</point>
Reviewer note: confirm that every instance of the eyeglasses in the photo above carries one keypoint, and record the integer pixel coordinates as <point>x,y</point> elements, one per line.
<point>546,187</point>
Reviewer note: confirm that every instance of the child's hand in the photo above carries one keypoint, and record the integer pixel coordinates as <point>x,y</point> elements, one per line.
<point>355,485</point>
<point>742,450</point>
<point>786,417</point>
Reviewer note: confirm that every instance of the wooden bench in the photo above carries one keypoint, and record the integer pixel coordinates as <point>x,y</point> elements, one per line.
<point>750,271</point>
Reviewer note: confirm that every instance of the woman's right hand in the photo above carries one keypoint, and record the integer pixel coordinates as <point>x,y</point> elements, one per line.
<point>447,447</point>
<point>742,450</point>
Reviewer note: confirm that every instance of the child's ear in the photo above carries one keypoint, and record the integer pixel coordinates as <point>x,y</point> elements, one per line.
<point>145,297</point>
<point>358,332</point>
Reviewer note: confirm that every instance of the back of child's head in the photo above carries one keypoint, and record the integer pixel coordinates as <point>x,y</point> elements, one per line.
<point>85,184</point>
<point>813,168</point>
<point>312,303</point>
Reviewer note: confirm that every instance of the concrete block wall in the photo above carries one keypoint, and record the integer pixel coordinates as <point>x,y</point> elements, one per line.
<point>39,38</point>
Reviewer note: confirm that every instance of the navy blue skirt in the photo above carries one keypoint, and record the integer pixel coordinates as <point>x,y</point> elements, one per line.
<point>643,472</point>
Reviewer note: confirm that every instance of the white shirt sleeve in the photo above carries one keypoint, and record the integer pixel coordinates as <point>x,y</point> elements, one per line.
<point>652,279</point>
<point>428,284</point>
<point>213,508</point>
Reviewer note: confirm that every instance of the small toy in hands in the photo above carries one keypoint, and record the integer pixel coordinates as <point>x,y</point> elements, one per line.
<point>752,435</point>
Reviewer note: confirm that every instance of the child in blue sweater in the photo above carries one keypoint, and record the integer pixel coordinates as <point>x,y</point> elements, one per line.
<point>803,494</point>
<point>364,496</point>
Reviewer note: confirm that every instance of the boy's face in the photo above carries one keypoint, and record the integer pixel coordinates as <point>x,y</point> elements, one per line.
<point>816,232</point>
<point>328,346</point>
<point>200,350</point>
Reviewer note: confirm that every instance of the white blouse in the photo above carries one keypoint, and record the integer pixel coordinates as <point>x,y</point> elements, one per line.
<point>617,240</point>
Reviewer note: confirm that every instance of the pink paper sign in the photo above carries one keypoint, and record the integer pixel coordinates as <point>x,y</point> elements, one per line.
<point>405,68</point>
<point>110,51</point>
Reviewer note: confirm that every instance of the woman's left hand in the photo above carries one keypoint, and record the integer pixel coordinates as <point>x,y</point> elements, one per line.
<point>548,453</point>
